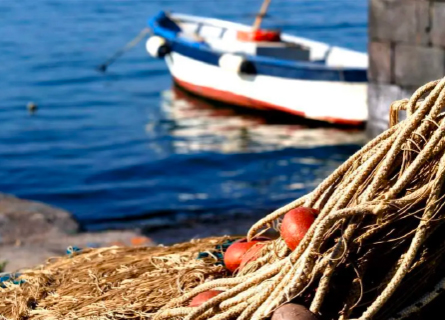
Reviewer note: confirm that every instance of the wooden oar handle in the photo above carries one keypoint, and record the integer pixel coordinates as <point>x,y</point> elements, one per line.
<point>261,14</point>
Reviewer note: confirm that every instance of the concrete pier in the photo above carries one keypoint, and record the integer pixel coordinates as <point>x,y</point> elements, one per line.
<point>406,50</point>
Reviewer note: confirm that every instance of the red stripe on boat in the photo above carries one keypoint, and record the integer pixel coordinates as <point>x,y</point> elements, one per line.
<point>232,98</point>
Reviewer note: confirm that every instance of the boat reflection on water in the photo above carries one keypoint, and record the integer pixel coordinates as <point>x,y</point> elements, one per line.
<point>202,125</point>
<point>214,162</point>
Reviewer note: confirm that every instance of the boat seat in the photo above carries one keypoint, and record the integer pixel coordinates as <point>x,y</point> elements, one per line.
<point>278,50</point>
<point>283,50</point>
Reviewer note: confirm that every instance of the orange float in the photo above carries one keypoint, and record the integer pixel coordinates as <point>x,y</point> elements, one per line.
<point>295,224</point>
<point>140,241</point>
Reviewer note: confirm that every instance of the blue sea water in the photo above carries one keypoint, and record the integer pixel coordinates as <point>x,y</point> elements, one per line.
<point>125,147</point>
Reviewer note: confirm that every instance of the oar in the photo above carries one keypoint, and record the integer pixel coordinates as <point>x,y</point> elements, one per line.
<point>261,14</point>
<point>103,67</point>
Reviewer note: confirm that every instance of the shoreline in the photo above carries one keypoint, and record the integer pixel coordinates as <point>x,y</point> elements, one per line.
<point>31,232</point>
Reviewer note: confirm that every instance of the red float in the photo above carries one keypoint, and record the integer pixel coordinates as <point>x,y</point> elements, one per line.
<point>295,225</point>
<point>236,251</point>
<point>251,255</point>
<point>203,297</point>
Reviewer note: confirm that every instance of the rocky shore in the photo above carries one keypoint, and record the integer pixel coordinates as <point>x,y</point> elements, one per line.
<point>31,232</point>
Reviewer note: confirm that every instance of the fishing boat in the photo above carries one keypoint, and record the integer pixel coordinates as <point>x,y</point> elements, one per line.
<point>264,69</point>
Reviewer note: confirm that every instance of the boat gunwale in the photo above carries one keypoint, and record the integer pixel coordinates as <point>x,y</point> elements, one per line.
<point>171,36</point>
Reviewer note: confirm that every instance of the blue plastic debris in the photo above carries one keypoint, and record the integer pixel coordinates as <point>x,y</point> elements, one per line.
<point>72,249</point>
<point>218,252</point>
<point>10,278</point>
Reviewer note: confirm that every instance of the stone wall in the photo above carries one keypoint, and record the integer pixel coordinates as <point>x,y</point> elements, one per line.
<point>406,50</point>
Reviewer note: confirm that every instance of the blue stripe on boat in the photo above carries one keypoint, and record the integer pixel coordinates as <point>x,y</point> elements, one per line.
<point>263,65</point>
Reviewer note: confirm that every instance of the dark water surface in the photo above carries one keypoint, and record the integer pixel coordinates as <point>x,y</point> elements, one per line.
<point>126,144</point>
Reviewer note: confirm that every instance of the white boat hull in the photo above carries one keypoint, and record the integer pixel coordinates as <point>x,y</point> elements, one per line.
<point>331,101</point>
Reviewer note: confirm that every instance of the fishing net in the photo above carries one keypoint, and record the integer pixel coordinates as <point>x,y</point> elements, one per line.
<point>114,282</point>
<point>375,251</point>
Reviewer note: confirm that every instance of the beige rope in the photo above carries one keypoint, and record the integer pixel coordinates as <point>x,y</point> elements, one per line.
<point>387,199</point>
<point>412,251</point>
<point>393,178</point>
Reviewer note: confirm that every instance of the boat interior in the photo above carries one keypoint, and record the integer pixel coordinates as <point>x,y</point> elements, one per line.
<point>224,36</point>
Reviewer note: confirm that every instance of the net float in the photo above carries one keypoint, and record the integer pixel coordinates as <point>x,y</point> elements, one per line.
<point>140,241</point>
<point>252,254</point>
<point>293,311</point>
<point>203,297</point>
<point>236,251</point>
<point>295,224</point>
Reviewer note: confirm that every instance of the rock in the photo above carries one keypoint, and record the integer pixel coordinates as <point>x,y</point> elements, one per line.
<point>293,311</point>
<point>31,232</point>
<point>28,220</point>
